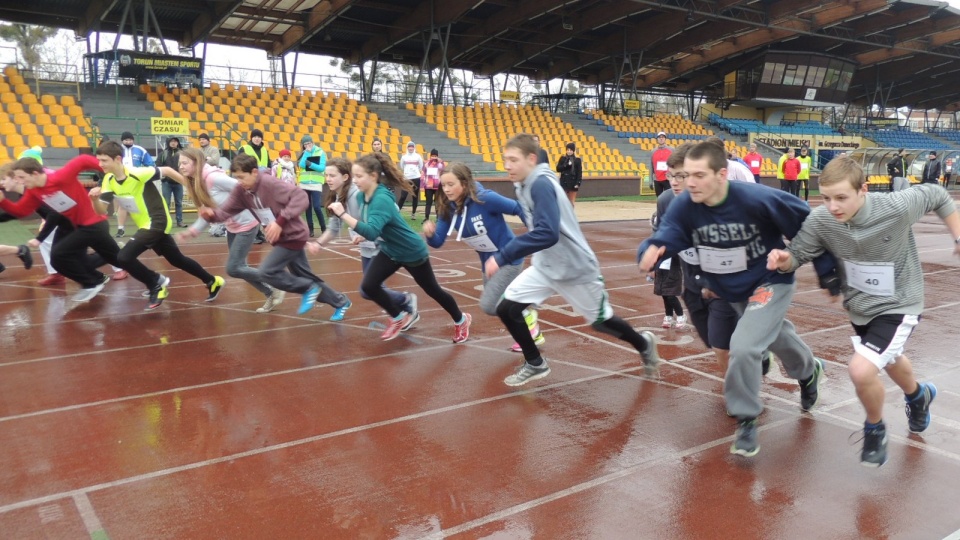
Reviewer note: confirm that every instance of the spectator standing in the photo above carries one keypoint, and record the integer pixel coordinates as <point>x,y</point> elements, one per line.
<point>931,170</point>
<point>258,150</point>
<point>210,153</point>
<point>570,167</point>
<point>313,176</point>
<point>658,163</point>
<point>896,169</point>
<point>411,165</point>
<point>431,181</point>
<point>754,161</point>
<point>170,157</point>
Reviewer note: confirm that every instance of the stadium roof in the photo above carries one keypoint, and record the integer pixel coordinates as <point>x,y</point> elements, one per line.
<point>908,51</point>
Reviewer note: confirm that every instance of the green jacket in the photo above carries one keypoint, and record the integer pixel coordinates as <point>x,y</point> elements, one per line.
<point>380,221</point>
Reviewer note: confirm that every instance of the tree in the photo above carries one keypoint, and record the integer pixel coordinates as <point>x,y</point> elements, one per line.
<point>29,39</point>
<point>60,57</point>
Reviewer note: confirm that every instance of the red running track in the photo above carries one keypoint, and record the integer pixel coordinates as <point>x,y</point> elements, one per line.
<point>207,420</point>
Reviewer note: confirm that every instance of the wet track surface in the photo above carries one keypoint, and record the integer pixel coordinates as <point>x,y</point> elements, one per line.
<point>207,420</point>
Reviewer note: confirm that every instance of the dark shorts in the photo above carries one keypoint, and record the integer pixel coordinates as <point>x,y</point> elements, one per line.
<point>714,319</point>
<point>883,339</point>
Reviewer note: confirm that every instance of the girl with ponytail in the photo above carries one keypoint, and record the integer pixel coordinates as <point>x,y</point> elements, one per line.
<point>378,219</point>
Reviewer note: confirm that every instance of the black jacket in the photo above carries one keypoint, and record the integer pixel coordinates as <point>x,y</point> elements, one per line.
<point>931,172</point>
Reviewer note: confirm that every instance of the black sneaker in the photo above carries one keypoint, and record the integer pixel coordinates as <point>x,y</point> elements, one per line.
<point>158,293</point>
<point>765,363</point>
<point>810,391</point>
<point>214,288</point>
<point>745,443</point>
<point>918,410</point>
<point>23,253</point>
<point>2,267</point>
<point>874,452</point>
<point>120,233</point>
<point>651,358</point>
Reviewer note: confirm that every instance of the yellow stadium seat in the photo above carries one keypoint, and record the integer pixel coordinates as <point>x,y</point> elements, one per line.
<point>36,140</point>
<point>75,111</point>
<point>71,130</point>
<point>58,141</point>
<point>79,142</point>
<point>35,109</point>
<point>50,130</point>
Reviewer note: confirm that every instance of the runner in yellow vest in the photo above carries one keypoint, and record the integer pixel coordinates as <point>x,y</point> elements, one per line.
<point>804,177</point>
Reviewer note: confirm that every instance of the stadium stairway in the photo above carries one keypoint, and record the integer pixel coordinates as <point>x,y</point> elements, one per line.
<point>101,104</point>
<point>590,127</point>
<point>417,129</point>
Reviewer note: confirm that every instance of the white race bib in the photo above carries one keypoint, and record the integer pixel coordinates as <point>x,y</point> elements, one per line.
<point>265,215</point>
<point>662,166</point>
<point>754,163</point>
<point>433,171</point>
<point>127,203</point>
<point>804,166</point>
<point>723,261</point>
<point>665,265</point>
<point>59,201</point>
<point>481,243</point>
<point>690,256</point>
<point>872,278</point>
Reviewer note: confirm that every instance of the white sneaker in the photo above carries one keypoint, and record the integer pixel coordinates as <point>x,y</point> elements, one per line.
<point>85,295</point>
<point>681,322</point>
<point>667,322</point>
<point>274,300</point>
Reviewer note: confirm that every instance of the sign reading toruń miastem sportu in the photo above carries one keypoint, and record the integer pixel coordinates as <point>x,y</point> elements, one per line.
<point>169,126</point>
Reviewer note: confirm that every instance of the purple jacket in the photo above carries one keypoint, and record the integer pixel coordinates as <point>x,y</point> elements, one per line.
<point>271,199</point>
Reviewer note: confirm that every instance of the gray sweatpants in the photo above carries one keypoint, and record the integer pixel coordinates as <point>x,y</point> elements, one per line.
<point>900,183</point>
<point>299,278</point>
<point>762,326</point>
<point>494,287</point>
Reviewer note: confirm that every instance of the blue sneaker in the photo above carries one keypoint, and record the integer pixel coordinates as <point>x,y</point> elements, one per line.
<point>309,299</point>
<point>341,311</point>
<point>918,410</point>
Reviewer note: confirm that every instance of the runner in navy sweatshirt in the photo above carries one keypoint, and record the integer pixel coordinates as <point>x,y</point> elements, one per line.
<point>734,226</point>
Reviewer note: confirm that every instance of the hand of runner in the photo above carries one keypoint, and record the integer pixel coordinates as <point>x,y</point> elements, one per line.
<point>707,294</point>
<point>272,232</point>
<point>94,193</point>
<point>206,213</point>
<point>34,243</point>
<point>650,258</point>
<point>313,248</point>
<point>778,259</point>
<point>356,240</point>
<point>490,267</point>
<point>429,228</point>
<point>335,208</point>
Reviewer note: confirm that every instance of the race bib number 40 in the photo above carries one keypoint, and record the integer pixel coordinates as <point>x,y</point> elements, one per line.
<point>876,279</point>
<point>723,261</point>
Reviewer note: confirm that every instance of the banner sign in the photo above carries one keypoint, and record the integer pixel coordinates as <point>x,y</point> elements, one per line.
<point>631,105</point>
<point>883,122</point>
<point>177,69</point>
<point>169,126</point>
<point>778,142</point>
<point>509,95</point>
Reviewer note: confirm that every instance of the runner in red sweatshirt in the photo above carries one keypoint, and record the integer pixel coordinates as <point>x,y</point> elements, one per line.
<point>63,192</point>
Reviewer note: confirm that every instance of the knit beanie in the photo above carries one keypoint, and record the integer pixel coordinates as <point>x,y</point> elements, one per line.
<point>126,135</point>
<point>434,152</point>
<point>305,139</point>
<point>284,152</point>
<point>571,146</point>
<point>256,133</point>
<point>34,153</point>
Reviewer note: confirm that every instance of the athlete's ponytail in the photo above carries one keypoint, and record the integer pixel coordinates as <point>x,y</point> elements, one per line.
<point>387,173</point>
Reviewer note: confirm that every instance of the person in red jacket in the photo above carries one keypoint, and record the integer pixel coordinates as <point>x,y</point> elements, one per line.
<point>63,192</point>
<point>754,160</point>
<point>658,161</point>
<point>791,170</point>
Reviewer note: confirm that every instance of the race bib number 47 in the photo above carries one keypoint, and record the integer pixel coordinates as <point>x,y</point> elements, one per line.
<point>723,261</point>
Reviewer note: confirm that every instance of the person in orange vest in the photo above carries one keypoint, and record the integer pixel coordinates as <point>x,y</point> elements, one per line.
<point>754,160</point>
<point>658,162</point>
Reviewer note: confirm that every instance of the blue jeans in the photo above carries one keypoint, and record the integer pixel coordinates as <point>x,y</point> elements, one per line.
<point>176,189</point>
<point>315,205</point>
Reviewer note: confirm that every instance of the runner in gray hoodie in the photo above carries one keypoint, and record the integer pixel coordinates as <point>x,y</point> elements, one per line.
<point>562,263</point>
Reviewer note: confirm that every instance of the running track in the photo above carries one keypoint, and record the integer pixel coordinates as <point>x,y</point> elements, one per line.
<point>210,421</point>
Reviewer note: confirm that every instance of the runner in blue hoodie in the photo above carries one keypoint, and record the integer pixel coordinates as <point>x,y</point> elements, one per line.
<point>475,216</point>
<point>734,226</point>
<point>562,263</point>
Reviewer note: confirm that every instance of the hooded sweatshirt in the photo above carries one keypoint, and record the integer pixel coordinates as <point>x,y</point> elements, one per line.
<point>411,163</point>
<point>480,224</point>
<point>220,185</point>
<point>270,199</point>
<point>380,220</point>
<point>351,205</point>
<point>170,157</point>
<point>560,251</point>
